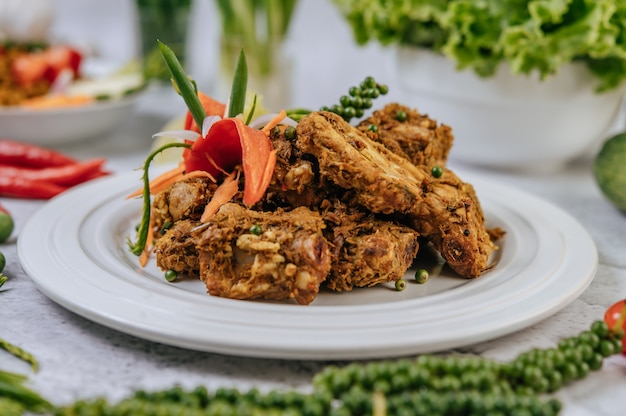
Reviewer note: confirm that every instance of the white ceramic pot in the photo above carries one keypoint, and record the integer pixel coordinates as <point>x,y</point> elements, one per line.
<point>507,121</point>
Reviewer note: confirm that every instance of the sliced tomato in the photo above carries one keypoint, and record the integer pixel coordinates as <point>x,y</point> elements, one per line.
<point>59,58</point>
<point>46,65</point>
<point>229,143</point>
<point>29,68</point>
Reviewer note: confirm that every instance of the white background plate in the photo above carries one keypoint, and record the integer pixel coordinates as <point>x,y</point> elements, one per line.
<point>74,249</point>
<point>56,126</point>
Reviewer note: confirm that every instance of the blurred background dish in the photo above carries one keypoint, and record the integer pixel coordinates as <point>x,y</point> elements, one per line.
<point>56,126</point>
<point>509,121</point>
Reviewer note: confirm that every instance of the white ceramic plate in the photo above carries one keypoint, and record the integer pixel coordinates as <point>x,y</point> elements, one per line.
<point>51,127</point>
<point>74,249</point>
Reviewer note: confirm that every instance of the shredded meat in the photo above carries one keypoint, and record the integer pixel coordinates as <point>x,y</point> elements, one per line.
<point>418,138</point>
<point>288,260</point>
<point>366,250</point>
<point>444,210</point>
<point>347,207</point>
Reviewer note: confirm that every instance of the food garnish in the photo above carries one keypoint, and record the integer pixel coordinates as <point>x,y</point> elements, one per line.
<point>340,205</point>
<point>222,148</point>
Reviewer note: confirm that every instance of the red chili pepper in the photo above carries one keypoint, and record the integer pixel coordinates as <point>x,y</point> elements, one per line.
<point>23,188</point>
<point>60,175</point>
<point>24,154</point>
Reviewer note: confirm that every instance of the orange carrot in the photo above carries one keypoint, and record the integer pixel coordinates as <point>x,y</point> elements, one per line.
<point>166,177</point>
<point>258,160</point>
<point>222,195</point>
<point>274,121</point>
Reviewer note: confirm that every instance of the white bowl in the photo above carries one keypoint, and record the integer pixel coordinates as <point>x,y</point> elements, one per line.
<point>507,121</point>
<point>49,127</point>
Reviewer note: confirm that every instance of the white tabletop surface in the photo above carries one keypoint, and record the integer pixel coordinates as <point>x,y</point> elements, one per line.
<point>82,359</point>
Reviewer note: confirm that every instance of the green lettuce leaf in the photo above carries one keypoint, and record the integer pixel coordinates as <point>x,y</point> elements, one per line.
<point>529,35</point>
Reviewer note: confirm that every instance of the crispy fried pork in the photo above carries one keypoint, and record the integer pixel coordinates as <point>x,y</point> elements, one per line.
<point>289,259</point>
<point>176,249</point>
<point>182,200</point>
<point>444,210</point>
<point>346,208</point>
<point>418,138</point>
<point>366,251</point>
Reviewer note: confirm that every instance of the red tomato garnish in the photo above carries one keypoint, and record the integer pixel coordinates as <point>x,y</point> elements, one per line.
<point>615,316</point>
<point>29,68</point>
<point>59,58</point>
<point>211,108</point>
<point>46,65</point>
<point>230,142</point>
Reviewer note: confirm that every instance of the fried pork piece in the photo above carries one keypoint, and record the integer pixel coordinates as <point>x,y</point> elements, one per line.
<point>288,260</point>
<point>419,138</point>
<point>176,249</point>
<point>444,210</point>
<point>366,251</point>
<point>182,200</point>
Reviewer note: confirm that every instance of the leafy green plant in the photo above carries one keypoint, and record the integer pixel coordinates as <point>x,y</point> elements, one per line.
<point>529,35</point>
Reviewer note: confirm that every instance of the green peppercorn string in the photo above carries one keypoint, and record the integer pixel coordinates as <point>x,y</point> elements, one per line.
<point>427,384</point>
<point>358,99</point>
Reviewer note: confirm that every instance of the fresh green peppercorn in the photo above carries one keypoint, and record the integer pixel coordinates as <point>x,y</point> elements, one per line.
<point>349,113</point>
<point>383,89</point>
<point>290,133</point>
<point>372,128</point>
<point>401,115</point>
<point>166,226</point>
<point>171,275</point>
<point>436,171</point>
<point>3,262</point>
<point>600,328</point>
<point>367,103</point>
<point>368,83</point>
<point>345,100</point>
<point>354,91</point>
<point>421,276</point>
<point>256,229</point>
<point>400,285</point>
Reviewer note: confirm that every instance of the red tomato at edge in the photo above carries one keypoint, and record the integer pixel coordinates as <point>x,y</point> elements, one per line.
<point>612,315</point>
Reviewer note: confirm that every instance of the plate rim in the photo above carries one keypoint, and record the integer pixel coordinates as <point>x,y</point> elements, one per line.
<point>343,348</point>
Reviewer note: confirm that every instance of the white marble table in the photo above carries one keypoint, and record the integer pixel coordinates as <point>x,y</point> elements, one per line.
<point>82,359</point>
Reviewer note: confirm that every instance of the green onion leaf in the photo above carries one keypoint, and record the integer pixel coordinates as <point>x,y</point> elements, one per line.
<point>184,86</point>
<point>240,84</point>
<point>142,232</point>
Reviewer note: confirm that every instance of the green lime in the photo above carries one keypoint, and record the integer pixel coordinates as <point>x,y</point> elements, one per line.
<point>6,226</point>
<point>610,170</point>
